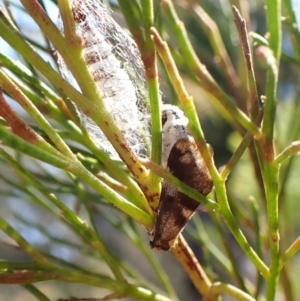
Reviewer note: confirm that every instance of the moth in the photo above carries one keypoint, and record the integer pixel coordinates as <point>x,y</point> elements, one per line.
<point>181,157</point>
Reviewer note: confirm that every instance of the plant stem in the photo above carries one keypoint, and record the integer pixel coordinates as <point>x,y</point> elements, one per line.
<point>253,94</point>
<point>124,289</point>
<point>192,193</point>
<point>232,224</point>
<point>35,292</point>
<point>133,17</point>
<point>192,267</point>
<point>23,244</point>
<point>230,290</point>
<point>270,170</point>
<point>291,150</point>
<point>150,62</point>
<point>292,250</point>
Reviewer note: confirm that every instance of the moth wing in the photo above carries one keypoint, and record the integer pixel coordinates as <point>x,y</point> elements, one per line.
<point>176,208</point>
<point>185,162</point>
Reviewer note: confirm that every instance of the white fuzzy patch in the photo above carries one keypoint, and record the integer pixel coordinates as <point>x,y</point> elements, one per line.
<point>174,129</point>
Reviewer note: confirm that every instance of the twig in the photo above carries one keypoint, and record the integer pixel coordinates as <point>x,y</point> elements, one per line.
<point>291,150</point>
<point>292,250</point>
<point>242,30</point>
<point>189,262</point>
<point>230,290</point>
<point>246,141</point>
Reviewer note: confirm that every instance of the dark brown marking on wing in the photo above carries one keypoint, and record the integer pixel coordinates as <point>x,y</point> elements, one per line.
<point>175,208</point>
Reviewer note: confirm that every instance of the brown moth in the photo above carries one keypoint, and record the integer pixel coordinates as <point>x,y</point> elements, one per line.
<point>181,157</point>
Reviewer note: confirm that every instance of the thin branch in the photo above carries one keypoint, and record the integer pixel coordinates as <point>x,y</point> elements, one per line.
<point>230,290</point>
<point>291,150</point>
<point>191,265</point>
<point>292,250</point>
<point>243,34</point>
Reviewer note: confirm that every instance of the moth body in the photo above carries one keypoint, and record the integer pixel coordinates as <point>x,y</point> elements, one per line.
<point>180,155</point>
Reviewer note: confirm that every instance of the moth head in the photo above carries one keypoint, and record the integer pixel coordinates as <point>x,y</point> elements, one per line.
<point>172,115</point>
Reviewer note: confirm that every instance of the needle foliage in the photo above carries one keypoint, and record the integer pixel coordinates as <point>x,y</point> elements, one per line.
<point>74,221</point>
